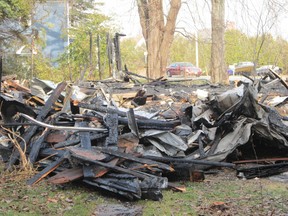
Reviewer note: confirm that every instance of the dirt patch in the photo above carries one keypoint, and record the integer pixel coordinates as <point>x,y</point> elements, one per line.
<point>118,210</point>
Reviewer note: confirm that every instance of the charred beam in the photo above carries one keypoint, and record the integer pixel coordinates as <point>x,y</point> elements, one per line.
<point>263,170</point>
<point>136,159</point>
<point>77,140</point>
<point>39,176</point>
<point>81,156</point>
<point>189,161</point>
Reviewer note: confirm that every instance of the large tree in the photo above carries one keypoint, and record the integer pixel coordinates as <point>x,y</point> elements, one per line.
<point>158,32</point>
<point>218,68</point>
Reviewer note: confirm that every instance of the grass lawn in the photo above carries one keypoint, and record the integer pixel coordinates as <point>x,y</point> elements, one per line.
<point>221,194</point>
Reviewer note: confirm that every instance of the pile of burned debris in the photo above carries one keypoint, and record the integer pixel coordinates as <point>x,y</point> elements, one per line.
<point>131,138</point>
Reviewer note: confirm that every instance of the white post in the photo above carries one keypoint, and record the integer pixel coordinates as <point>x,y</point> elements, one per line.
<point>68,37</point>
<point>196,48</point>
<point>68,20</point>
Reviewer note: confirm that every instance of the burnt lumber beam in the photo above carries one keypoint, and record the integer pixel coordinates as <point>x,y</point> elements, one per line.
<point>136,159</point>
<point>121,184</point>
<point>141,121</point>
<point>39,176</point>
<point>35,146</point>
<point>111,121</point>
<point>264,160</point>
<point>40,117</point>
<point>101,183</point>
<point>81,155</point>
<point>84,136</point>
<point>262,170</point>
<point>66,176</point>
<point>51,152</point>
<point>127,76</point>
<point>77,140</point>
<point>152,123</point>
<point>132,124</point>
<point>201,147</point>
<point>190,161</point>
<point>137,75</point>
<point>95,171</point>
<point>85,141</point>
<point>281,80</point>
<point>106,110</point>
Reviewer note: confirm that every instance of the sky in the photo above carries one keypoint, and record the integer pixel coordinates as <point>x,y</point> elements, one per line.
<point>195,15</point>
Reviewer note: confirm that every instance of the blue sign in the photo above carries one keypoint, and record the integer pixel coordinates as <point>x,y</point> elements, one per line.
<point>51,22</point>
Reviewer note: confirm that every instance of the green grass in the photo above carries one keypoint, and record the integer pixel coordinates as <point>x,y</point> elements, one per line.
<point>240,197</point>
<point>236,197</point>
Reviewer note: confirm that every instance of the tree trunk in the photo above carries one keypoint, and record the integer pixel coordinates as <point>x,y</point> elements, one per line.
<point>218,68</point>
<point>157,34</point>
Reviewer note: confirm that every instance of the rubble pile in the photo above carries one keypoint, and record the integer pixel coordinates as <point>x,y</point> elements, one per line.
<point>133,139</point>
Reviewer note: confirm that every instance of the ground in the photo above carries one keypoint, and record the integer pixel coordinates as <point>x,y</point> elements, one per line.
<point>219,194</point>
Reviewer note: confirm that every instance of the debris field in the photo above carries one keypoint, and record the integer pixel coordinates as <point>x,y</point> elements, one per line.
<point>135,139</point>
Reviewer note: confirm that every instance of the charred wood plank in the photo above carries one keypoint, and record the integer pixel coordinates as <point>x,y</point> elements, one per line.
<point>265,160</point>
<point>201,147</point>
<point>127,76</point>
<point>136,159</point>
<point>177,188</point>
<point>84,136</point>
<point>39,176</point>
<point>40,117</point>
<point>111,121</point>
<point>66,176</point>
<point>152,123</point>
<point>106,110</point>
<point>77,140</point>
<point>91,154</point>
<point>36,146</point>
<point>151,188</point>
<point>142,122</point>
<point>137,75</point>
<point>95,171</point>
<point>190,161</point>
<point>263,170</point>
<point>50,152</point>
<point>80,154</point>
<point>281,80</point>
<point>132,122</point>
<point>109,188</point>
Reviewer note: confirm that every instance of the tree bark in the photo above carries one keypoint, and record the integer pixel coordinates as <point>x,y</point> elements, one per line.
<point>218,69</point>
<point>158,34</point>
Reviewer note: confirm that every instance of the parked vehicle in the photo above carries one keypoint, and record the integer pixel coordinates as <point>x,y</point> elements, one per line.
<point>182,68</point>
<point>231,70</point>
<point>244,68</point>
<point>262,71</point>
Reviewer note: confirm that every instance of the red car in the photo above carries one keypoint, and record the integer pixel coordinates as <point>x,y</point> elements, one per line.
<point>180,68</point>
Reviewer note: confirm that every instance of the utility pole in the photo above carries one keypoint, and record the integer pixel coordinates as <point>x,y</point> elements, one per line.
<point>32,51</point>
<point>196,48</point>
<point>109,53</point>
<point>90,57</point>
<point>118,53</point>
<point>99,57</point>
<point>68,36</point>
